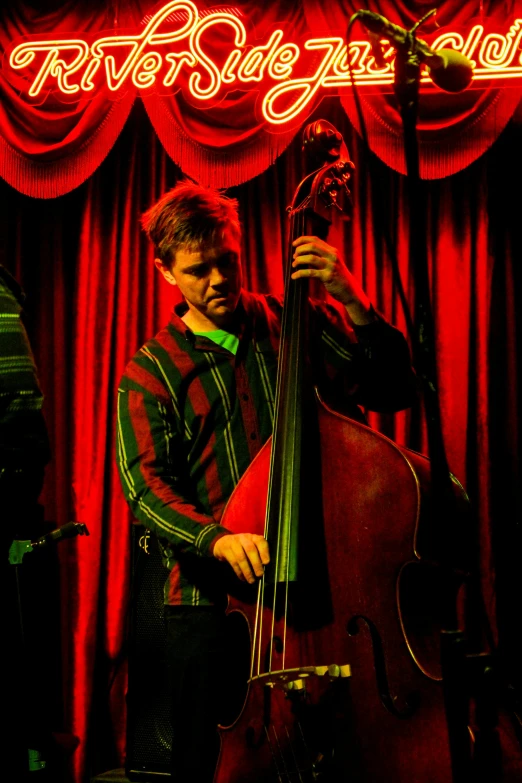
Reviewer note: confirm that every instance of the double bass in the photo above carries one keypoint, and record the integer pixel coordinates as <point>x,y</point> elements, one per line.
<point>344,678</point>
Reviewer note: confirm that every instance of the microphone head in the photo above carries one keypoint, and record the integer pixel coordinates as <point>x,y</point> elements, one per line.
<point>451,70</point>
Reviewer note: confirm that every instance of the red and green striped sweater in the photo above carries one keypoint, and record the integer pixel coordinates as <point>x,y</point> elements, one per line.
<point>192,416</point>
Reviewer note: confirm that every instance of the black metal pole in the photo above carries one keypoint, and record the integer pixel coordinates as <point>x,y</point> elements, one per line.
<point>456,695</point>
<point>406,87</point>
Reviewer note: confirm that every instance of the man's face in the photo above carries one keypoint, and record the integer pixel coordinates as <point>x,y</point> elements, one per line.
<point>209,278</point>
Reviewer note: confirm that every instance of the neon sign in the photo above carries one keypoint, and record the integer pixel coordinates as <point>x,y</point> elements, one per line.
<point>207,55</point>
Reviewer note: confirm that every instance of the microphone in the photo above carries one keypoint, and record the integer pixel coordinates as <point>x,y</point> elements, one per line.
<point>19,549</point>
<point>450,70</point>
<point>69,530</point>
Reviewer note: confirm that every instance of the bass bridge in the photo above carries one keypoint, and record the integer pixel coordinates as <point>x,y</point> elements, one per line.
<point>295,679</point>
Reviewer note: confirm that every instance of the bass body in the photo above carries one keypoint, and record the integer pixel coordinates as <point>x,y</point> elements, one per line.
<point>346,684</point>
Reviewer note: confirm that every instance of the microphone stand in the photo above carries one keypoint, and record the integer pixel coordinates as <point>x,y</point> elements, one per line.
<point>463,674</point>
<point>406,88</point>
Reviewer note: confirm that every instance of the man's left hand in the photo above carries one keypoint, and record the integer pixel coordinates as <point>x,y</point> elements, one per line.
<point>313,257</point>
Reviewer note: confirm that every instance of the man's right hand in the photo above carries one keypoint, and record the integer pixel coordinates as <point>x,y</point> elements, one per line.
<point>247,553</point>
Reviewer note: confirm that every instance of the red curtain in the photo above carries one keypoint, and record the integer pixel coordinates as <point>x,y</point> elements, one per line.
<point>48,146</point>
<point>94,297</point>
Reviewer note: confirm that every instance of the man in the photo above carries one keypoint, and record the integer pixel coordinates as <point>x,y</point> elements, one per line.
<point>196,405</point>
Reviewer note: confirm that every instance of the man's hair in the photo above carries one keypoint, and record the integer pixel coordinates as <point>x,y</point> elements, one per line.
<point>188,216</point>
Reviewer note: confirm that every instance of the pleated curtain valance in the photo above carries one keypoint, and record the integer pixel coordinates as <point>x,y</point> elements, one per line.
<point>52,143</point>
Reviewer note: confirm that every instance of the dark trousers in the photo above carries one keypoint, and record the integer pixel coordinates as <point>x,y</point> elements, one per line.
<point>195,651</point>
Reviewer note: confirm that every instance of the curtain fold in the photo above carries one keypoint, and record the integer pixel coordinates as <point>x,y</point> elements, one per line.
<point>48,147</point>
<point>229,143</point>
<point>51,143</point>
<point>117,308</point>
<point>453,129</point>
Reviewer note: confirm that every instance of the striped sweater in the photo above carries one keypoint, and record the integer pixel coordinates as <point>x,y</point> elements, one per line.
<point>192,416</point>
<point>24,445</point>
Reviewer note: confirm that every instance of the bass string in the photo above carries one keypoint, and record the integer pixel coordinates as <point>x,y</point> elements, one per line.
<point>296,229</point>
<point>272,470</point>
<point>296,318</point>
<point>289,320</point>
<point>283,772</point>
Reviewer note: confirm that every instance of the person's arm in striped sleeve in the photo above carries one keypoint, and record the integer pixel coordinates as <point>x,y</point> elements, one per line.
<point>148,448</point>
